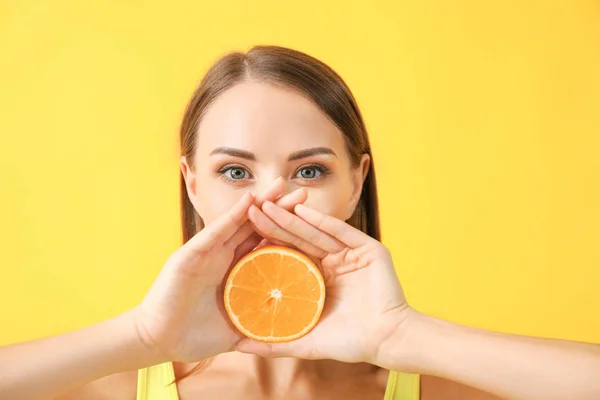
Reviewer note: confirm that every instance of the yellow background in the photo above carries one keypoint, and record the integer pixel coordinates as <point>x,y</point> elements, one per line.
<point>484,117</point>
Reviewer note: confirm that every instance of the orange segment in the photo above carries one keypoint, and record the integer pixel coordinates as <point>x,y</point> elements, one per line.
<point>274,294</point>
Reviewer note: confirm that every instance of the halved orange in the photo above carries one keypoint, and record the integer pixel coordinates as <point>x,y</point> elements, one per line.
<point>274,294</point>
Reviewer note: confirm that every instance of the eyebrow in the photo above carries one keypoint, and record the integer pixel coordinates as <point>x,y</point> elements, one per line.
<point>234,152</point>
<point>311,152</point>
<point>293,157</point>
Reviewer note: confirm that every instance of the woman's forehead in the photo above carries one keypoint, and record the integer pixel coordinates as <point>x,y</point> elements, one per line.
<point>257,116</point>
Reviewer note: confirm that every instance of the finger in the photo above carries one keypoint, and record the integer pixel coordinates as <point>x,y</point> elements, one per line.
<point>298,349</point>
<point>271,230</point>
<point>247,229</point>
<point>302,229</point>
<point>290,200</point>
<point>251,242</point>
<point>246,239</point>
<point>339,229</point>
<point>267,242</point>
<point>264,242</point>
<point>274,191</point>
<point>224,227</point>
<point>243,233</point>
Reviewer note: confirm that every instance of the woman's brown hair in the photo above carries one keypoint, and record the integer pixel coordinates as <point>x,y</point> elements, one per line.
<point>308,76</point>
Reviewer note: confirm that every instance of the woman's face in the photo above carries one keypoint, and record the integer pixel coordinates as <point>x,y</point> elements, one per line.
<point>254,133</point>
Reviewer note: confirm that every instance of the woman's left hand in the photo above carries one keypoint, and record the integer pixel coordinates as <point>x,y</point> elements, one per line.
<point>365,303</point>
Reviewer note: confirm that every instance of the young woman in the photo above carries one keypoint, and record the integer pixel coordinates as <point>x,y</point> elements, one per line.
<point>274,149</point>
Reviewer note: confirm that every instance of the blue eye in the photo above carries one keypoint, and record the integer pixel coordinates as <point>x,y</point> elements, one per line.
<point>232,173</point>
<point>311,172</point>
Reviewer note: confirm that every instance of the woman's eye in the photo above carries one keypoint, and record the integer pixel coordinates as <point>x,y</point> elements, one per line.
<point>235,173</point>
<point>312,172</point>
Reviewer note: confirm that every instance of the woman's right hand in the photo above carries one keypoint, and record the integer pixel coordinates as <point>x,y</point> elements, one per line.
<point>182,316</point>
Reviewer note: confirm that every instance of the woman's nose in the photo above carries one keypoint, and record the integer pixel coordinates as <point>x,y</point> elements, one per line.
<point>269,189</point>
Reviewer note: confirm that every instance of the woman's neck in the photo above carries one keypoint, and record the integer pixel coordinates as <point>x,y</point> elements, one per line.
<point>280,374</point>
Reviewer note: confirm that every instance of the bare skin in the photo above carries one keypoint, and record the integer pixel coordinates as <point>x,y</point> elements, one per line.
<point>252,178</point>
<point>256,379</point>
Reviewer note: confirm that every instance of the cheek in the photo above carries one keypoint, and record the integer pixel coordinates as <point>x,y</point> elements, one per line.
<point>332,200</point>
<point>213,200</point>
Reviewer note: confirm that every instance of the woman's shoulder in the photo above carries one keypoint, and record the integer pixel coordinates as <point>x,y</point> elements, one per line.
<point>434,388</point>
<point>120,386</point>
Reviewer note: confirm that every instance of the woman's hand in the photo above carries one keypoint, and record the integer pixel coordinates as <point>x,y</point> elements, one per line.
<point>367,319</point>
<point>365,303</point>
<point>182,316</point>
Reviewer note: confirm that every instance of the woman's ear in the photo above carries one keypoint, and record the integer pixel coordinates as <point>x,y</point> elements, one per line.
<point>189,177</point>
<point>358,179</point>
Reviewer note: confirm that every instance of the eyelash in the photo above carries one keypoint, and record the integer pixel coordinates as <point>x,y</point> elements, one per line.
<point>322,170</point>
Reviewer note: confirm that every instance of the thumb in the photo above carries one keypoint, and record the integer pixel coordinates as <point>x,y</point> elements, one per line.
<point>273,350</point>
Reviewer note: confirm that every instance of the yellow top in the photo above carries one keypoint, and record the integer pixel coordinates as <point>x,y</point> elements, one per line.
<point>154,383</point>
